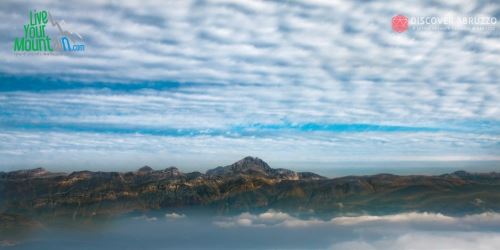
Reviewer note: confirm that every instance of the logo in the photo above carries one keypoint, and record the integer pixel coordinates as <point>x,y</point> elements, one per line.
<point>399,23</point>
<point>37,36</point>
<point>402,23</point>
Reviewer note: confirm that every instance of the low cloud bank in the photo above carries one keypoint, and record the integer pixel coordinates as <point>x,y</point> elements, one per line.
<point>272,218</point>
<point>404,231</point>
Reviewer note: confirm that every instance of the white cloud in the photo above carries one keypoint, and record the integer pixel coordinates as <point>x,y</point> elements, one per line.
<point>404,231</point>
<point>406,217</point>
<point>146,218</point>
<point>273,218</point>
<point>269,218</point>
<point>267,43</point>
<point>488,218</point>
<point>174,216</point>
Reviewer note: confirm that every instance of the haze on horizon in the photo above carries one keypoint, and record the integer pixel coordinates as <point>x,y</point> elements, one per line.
<point>303,85</point>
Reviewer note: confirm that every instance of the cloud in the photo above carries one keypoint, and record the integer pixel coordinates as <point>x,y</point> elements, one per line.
<point>174,216</point>
<point>266,43</point>
<point>272,218</point>
<point>405,231</point>
<point>145,218</point>
<point>406,217</point>
<point>266,219</point>
<point>477,219</point>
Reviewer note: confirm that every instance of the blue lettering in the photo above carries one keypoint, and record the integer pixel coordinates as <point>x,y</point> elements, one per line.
<point>65,43</point>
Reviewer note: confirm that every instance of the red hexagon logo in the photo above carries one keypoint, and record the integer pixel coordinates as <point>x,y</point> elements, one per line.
<point>399,23</point>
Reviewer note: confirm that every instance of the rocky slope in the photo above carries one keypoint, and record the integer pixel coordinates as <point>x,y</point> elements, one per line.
<point>245,185</point>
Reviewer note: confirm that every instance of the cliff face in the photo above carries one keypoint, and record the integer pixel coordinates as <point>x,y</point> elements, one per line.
<point>245,185</point>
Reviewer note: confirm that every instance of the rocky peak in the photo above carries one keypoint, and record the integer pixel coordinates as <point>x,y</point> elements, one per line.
<point>462,173</point>
<point>29,173</point>
<point>255,166</point>
<point>172,172</point>
<point>38,171</point>
<point>81,174</point>
<point>250,163</point>
<point>244,166</point>
<point>310,176</point>
<point>145,169</point>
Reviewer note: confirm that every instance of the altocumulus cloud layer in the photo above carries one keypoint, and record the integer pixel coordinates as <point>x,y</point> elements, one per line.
<point>197,82</point>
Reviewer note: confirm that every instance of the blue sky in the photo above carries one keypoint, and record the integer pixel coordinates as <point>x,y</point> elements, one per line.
<point>300,84</point>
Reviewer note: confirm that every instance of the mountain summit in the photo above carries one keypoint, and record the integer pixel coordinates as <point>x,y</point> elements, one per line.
<point>255,166</point>
<point>247,165</point>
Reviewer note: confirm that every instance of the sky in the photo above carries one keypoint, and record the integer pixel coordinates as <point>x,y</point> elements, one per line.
<point>300,84</point>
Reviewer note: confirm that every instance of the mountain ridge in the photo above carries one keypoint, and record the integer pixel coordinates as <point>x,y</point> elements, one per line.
<point>242,186</point>
<point>246,166</point>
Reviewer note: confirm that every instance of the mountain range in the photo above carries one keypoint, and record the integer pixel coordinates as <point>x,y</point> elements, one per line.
<point>249,184</point>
